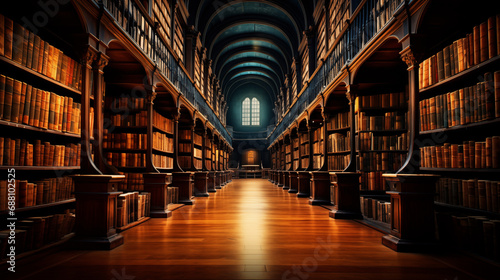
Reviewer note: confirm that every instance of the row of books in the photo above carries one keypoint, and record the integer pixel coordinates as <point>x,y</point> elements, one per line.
<point>23,103</point>
<point>137,119</point>
<point>339,120</point>
<point>173,195</point>
<point>163,123</point>
<point>376,209</point>
<point>38,192</point>
<point>338,162</point>
<point>197,153</point>
<point>35,232</point>
<point>304,150</point>
<point>124,140</point>
<point>304,162</point>
<point>338,142</point>
<point>477,234</point>
<point>318,147</point>
<point>318,161</point>
<point>20,152</point>
<point>162,142</point>
<point>131,207</point>
<point>160,161</point>
<point>124,104</point>
<point>385,161</point>
<point>198,163</point>
<point>288,149</point>
<point>28,49</point>
<point>367,141</point>
<point>372,181</point>
<point>184,162</point>
<point>133,182</point>
<point>126,159</point>
<point>304,138</point>
<point>467,105</point>
<point>389,121</point>
<point>185,147</point>
<point>480,45</point>
<point>185,134</point>
<point>383,100</point>
<point>198,139</point>
<point>470,154</point>
<point>472,193</point>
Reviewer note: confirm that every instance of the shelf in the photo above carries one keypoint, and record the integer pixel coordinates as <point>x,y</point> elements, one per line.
<point>480,124</point>
<point>381,110</point>
<point>43,248</point>
<point>131,169</point>
<point>438,87</point>
<point>17,66</point>
<point>125,150</point>
<point>121,128</point>
<point>41,206</point>
<point>39,168</point>
<point>163,152</point>
<point>133,224</point>
<point>339,153</point>
<point>162,130</point>
<point>198,158</point>
<point>468,170</point>
<point>338,129</point>
<point>385,132</point>
<point>121,111</point>
<point>382,151</point>
<point>42,130</point>
<point>198,145</point>
<point>471,211</point>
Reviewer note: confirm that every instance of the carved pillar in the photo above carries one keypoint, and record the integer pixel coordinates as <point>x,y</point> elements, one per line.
<point>150,97</point>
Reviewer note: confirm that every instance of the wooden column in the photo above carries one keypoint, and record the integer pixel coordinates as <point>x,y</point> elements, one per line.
<point>412,212</point>
<point>157,185</point>
<point>346,188</point>
<point>294,182</point>
<point>320,179</point>
<point>201,177</point>
<point>304,182</point>
<point>96,202</point>
<point>184,181</point>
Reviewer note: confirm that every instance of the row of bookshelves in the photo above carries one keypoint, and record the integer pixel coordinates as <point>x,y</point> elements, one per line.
<point>469,193</point>
<point>123,140</point>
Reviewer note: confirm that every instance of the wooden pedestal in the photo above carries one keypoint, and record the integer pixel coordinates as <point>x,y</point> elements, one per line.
<point>211,182</point>
<point>218,180</point>
<point>346,185</point>
<point>96,200</point>
<point>412,212</point>
<point>320,188</point>
<point>184,181</point>
<point>294,182</point>
<point>304,186</point>
<point>157,184</point>
<point>286,180</point>
<point>223,178</point>
<point>201,184</point>
<point>280,179</point>
<point>271,176</point>
<point>230,176</point>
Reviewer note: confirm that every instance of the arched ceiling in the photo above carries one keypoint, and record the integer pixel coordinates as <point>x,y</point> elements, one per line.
<point>251,41</point>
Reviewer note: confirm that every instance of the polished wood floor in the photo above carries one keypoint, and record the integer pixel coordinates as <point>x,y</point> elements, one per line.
<point>252,230</point>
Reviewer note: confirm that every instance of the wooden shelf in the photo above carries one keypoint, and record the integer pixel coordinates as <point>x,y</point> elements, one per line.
<point>121,111</point>
<point>472,71</point>
<point>125,150</point>
<point>339,153</point>
<point>36,75</point>
<point>36,129</point>
<point>163,152</point>
<point>338,129</point>
<point>122,128</point>
<point>41,206</point>
<point>162,130</point>
<point>133,224</point>
<point>471,211</point>
<point>468,170</point>
<point>382,151</point>
<point>476,125</point>
<point>131,169</point>
<point>384,132</point>
<point>63,240</point>
<point>378,110</point>
<point>40,168</point>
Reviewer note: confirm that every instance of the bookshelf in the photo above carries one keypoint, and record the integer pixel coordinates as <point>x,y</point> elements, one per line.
<point>163,140</point>
<point>40,140</point>
<point>318,147</point>
<point>459,122</point>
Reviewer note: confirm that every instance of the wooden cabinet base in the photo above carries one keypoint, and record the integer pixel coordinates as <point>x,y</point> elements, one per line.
<point>184,181</point>
<point>271,176</point>
<point>211,182</point>
<point>157,185</point>
<point>218,180</point>
<point>294,182</point>
<point>320,188</point>
<point>412,212</point>
<point>96,202</point>
<point>304,186</point>
<point>346,195</point>
<point>201,184</point>
<point>280,179</point>
<point>286,180</point>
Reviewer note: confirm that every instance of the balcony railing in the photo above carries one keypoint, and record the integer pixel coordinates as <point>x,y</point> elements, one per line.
<point>370,20</point>
<point>139,26</point>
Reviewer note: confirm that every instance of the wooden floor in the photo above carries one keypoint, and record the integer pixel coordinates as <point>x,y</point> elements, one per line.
<point>252,230</point>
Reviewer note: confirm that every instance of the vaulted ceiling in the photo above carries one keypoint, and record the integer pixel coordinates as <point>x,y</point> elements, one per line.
<point>251,42</point>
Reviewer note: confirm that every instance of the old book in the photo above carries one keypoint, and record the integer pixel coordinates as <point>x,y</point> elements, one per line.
<point>2,95</point>
<point>481,187</point>
<point>27,105</point>
<point>31,45</point>
<point>17,43</point>
<point>447,62</point>
<point>8,36</point>
<point>36,53</point>
<point>9,90</point>
<point>492,37</point>
<point>2,35</point>
<point>483,41</point>
<point>25,47</point>
<point>21,104</point>
<point>38,107</point>
<point>440,66</point>
<point>477,47</point>
<point>16,101</point>
<point>496,89</point>
<point>495,152</point>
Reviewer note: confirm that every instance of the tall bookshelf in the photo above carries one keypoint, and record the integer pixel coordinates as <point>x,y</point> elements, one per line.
<point>186,147</point>
<point>163,141</point>
<point>318,147</point>
<point>338,142</point>
<point>198,149</point>
<point>40,139</point>
<point>288,154</point>
<point>304,148</point>
<point>295,149</point>
<point>459,107</point>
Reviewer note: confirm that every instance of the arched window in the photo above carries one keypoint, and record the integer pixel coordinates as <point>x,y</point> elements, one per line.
<point>250,112</point>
